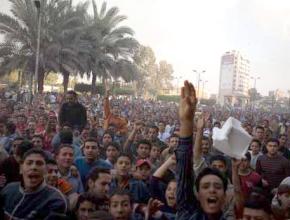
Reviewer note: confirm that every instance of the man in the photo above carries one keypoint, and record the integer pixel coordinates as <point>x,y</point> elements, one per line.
<point>138,190</point>
<point>162,135</point>
<point>113,117</point>
<point>152,136</point>
<point>260,133</point>
<point>283,149</point>
<point>64,160</point>
<point>273,167</point>
<point>172,145</point>
<point>98,182</point>
<point>255,147</point>
<point>34,199</point>
<point>72,112</point>
<point>210,184</point>
<point>143,149</point>
<point>90,159</point>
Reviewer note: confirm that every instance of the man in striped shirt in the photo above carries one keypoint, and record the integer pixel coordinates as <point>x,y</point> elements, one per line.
<point>271,166</point>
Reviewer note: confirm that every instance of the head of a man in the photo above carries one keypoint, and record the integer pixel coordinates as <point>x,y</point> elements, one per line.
<point>153,133</point>
<point>205,145</point>
<point>52,173</point>
<point>107,138</point>
<point>260,133</point>
<point>282,140</point>
<point>37,141</point>
<point>272,147</point>
<point>98,182</point>
<point>173,141</point>
<point>143,169</point>
<point>143,149</point>
<point>121,205</point>
<point>219,162</point>
<point>91,150</point>
<point>112,152</point>
<point>211,187</point>
<point>64,156</point>
<point>245,162</point>
<point>33,169</point>
<point>255,146</point>
<point>155,152</point>
<point>170,193</point>
<point>161,126</point>
<point>71,97</point>
<point>85,206</point>
<point>123,165</point>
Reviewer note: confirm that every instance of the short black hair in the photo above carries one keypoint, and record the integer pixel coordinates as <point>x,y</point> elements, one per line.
<point>113,144</point>
<point>283,135</point>
<point>85,197</point>
<point>66,137</point>
<point>144,141</point>
<point>94,174</point>
<point>273,140</point>
<point>91,139</point>
<point>258,200</point>
<point>35,151</point>
<point>23,148</point>
<point>219,158</point>
<point>38,136</point>
<point>260,127</point>
<point>173,136</point>
<point>210,171</point>
<point>71,92</point>
<point>121,192</point>
<point>256,141</point>
<point>154,127</point>
<point>51,161</point>
<point>123,154</point>
<point>63,146</point>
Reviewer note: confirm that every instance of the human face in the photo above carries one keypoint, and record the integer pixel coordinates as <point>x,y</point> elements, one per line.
<point>173,142</point>
<point>152,134</point>
<point>112,153</point>
<point>51,176</point>
<point>154,153</point>
<point>33,170</point>
<point>100,186</point>
<point>284,198</point>
<point>255,147</point>
<point>70,98</point>
<point>144,171</point>
<point>272,148</point>
<point>170,194</point>
<point>107,139</point>
<point>143,151</point>
<point>123,166</point>
<point>244,165</point>
<point>37,142</point>
<point>91,151</point>
<point>85,134</point>
<point>161,127</point>
<point>115,110</point>
<point>31,126</point>
<point>282,141</point>
<point>16,147</point>
<point>259,134</point>
<point>205,146</point>
<point>255,214</point>
<point>64,158</point>
<point>211,194</point>
<point>120,207</point>
<point>85,210</point>
<point>218,164</point>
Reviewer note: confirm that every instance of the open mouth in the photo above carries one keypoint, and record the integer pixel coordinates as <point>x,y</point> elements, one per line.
<point>212,200</point>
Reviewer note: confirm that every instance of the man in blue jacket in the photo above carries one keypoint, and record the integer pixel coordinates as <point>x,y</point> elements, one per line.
<point>32,198</point>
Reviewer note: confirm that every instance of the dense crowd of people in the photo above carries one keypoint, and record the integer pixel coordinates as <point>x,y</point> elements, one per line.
<point>69,156</point>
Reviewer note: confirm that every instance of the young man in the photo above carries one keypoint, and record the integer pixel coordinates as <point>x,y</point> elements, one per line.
<point>34,199</point>
<point>64,159</point>
<point>283,149</point>
<point>152,136</point>
<point>172,145</point>
<point>255,152</point>
<point>98,182</point>
<point>210,184</point>
<point>162,134</point>
<point>90,159</point>
<point>143,149</point>
<point>273,167</point>
<point>143,170</point>
<point>112,153</point>
<point>123,179</point>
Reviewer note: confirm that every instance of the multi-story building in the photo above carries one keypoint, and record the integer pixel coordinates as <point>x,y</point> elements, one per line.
<point>234,79</point>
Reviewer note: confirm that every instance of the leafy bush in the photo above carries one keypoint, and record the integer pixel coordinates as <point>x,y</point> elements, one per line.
<point>83,87</point>
<point>168,98</point>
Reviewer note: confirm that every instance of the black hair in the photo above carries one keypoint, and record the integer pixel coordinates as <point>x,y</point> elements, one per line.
<point>102,215</point>
<point>38,136</point>
<point>173,136</point>
<point>18,139</point>
<point>11,127</point>
<point>23,148</point>
<point>256,141</point>
<point>154,127</point>
<point>283,135</point>
<point>85,197</point>
<point>258,200</point>
<point>144,141</point>
<point>51,161</point>
<point>248,156</point>
<point>273,140</point>
<point>260,127</point>
<point>71,92</point>
<point>121,192</point>
<point>35,151</point>
<point>219,158</point>
<point>63,146</point>
<point>210,171</point>
<point>123,154</point>
<point>66,137</point>
<point>113,144</point>
<point>94,174</point>
<point>91,139</point>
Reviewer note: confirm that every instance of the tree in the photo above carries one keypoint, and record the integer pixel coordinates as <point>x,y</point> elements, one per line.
<point>111,45</point>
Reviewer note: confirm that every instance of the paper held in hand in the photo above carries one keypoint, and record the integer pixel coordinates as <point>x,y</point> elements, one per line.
<point>231,139</point>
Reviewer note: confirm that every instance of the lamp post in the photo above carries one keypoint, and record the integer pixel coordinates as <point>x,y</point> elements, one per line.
<point>203,85</point>
<point>255,83</point>
<point>198,79</point>
<point>37,5</point>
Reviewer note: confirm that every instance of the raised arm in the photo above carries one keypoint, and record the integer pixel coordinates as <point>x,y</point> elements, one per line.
<point>239,199</point>
<point>186,202</point>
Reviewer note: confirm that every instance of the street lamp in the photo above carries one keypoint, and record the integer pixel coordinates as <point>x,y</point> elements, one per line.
<point>255,90</point>
<point>198,79</point>
<point>37,5</point>
<point>203,85</point>
<point>255,80</point>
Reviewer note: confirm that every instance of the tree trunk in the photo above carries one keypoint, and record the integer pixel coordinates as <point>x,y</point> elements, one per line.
<point>93,88</point>
<point>65,75</point>
<point>40,81</point>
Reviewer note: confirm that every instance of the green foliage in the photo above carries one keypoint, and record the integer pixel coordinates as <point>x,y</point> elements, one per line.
<point>123,91</point>
<point>83,87</point>
<point>51,79</point>
<point>168,98</point>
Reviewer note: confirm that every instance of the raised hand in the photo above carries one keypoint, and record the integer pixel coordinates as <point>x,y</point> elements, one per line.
<point>202,120</point>
<point>187,108</point>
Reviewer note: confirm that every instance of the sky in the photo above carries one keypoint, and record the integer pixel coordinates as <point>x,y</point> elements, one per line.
<point>194,34</point>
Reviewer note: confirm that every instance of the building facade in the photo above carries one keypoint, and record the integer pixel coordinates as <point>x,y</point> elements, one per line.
<point>234,81</point>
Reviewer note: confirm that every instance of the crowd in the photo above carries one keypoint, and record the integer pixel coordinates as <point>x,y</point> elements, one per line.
<point>123,158</point>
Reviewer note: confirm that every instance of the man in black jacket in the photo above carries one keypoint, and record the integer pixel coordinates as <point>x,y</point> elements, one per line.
<point>72,112</point>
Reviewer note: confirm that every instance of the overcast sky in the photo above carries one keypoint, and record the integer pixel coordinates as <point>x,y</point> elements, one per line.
<point>193,34</point>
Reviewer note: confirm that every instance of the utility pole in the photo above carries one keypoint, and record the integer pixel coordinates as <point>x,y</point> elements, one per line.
<point>37,5</point>
<point>198,80</point>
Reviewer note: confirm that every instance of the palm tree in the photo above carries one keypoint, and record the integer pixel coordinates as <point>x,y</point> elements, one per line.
<point>60,34</point>
<point>111,47</point>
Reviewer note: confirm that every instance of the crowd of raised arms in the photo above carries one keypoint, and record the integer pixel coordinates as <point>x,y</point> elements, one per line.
<point>109,158</point>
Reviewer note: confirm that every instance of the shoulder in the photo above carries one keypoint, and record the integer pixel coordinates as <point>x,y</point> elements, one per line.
<point>11,188</point>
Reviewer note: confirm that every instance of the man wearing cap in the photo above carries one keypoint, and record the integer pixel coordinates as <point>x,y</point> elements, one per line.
<point>143,170</point>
